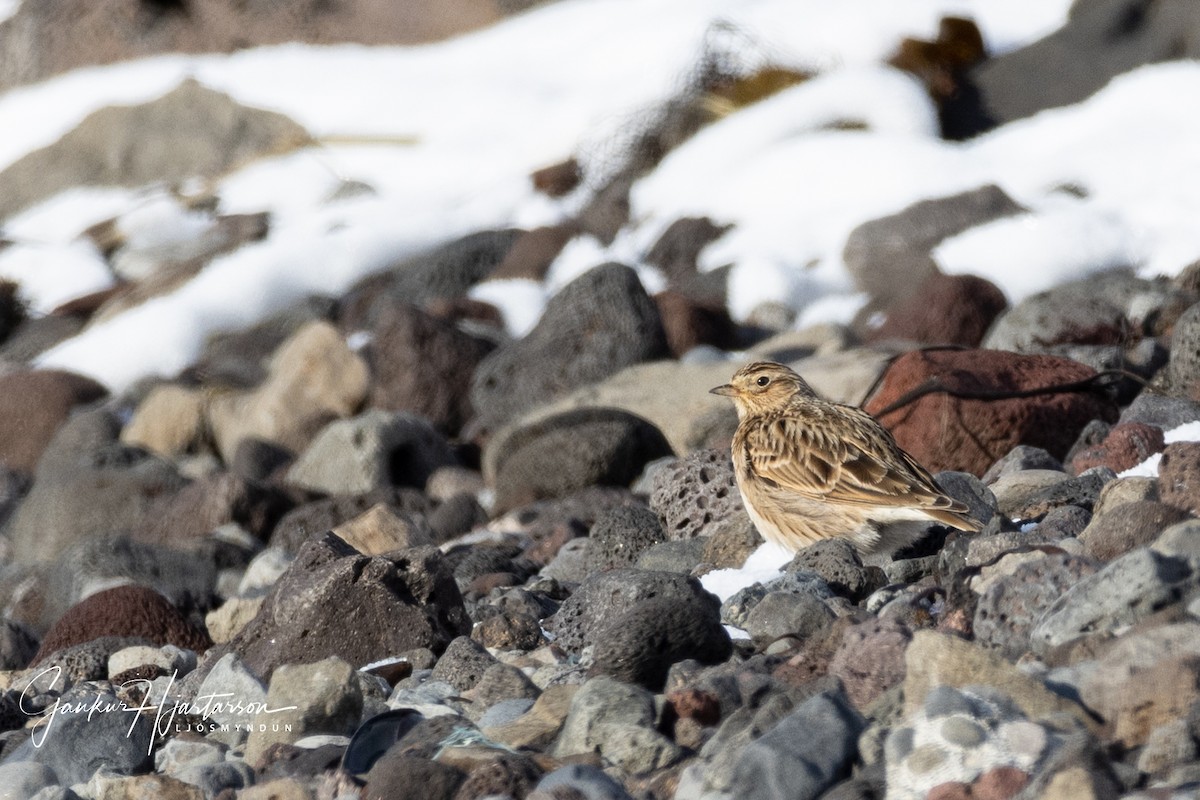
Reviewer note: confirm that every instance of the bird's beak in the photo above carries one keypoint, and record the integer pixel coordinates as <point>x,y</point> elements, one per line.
<point>724,389</point>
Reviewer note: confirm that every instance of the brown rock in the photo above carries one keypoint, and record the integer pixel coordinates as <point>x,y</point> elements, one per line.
<point>1125,446</point>
<point>423,365</point>
<point>945,432</point>
<point>952,790</point>
<point>191,514</point>
<point>678,249</point>
<point>314,378</point>
<point>128,611</point>
<point>870,659</point>
<point>169,421</point>
<point>999,783</point>
<point>695,704</point>
<point>48,38</point>
<point>559,179</point>
<point>533,252</point>
<point>946,309</point>
<point>689,323</point>
<point>1121,529</point>
<point>32,407</point>
<point>400,776</point>
<point>1179,476</point>
<point>380,530</point>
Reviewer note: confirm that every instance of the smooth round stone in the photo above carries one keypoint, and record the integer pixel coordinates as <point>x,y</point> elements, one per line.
<point>942,701</point>
<point>962,732</point>
<point>925,759</point>
<point>1023,738</point>
<point>899,744</point>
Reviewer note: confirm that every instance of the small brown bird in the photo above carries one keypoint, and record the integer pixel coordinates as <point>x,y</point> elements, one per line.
<point>810,470</point>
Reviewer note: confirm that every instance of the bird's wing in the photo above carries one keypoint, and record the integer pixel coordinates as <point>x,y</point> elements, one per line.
<point>847,458</point>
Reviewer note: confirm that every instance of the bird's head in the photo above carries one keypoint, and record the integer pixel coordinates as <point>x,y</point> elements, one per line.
<point>763,386</point>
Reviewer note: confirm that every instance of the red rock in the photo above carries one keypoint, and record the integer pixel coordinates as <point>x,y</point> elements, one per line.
<point>947,309</point>
<point>1179,476</point>
<point>1126,445</point>
<point>559,179</point>
<point>533,252</point>
<point>969,433</point>
<point>688,323</point>
<point>953,790</point>
<point>123,611</point>
<point>1000,783</point>
<point>695,704</point>
<point>32,407</point>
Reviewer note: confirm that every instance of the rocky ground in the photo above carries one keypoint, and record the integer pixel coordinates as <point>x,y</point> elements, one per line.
<point>374,547</point>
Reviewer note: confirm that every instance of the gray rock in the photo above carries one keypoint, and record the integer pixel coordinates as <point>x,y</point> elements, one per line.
<point>503,712</point>
<point>1019,459</point>
<point>566,452</point>
<point>500,683</point>
<point>839,564</point>
<point>1118,530</point>
<point>590,609</point>
<point>1010,607</point>
<point>781,614</point>
<point>1183,368</point>
<point>621,535</point>
<point>304,699</point>
<point>805,754</point>
<point>17,646</point>
<point>695,492</point>
<point>240,358</point>
<point>968,489</point>
<point>890,257</point>
<point>178,754</point>
<point>596,325</point>
<point>79,743</point>
<point>21,779</point>
<point>1162,411</point>
<point>463,664</point>
<point>680,557</point>
<point>371,451</point>
<point>1129,589</point>
<point>591,783</point>
<point>212,779</point>
<point>227,697</point>
<point>1078,312</point>
<point>602,701</point>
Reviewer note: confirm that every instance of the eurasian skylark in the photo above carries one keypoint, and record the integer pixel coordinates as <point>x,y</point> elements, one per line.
<point>810,470</point>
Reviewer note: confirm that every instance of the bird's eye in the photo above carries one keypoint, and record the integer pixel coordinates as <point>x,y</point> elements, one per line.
<point>763,381</point>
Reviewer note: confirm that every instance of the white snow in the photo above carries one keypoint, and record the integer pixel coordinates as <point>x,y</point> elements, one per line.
<point>1149,468</point>
<point>764,564</point>
<point>8,8</point>
<point>443,138</point>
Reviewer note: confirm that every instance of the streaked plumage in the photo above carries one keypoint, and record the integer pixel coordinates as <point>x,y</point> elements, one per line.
<point>810,470</point>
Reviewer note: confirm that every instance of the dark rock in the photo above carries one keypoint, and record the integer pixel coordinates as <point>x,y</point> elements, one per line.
<point>1179,476</point>
<point>533,252</point>
<point>690,323</point>
<point>695,491</point>
<point>639,645</point>
<point>678,249</point>
<point>458,515</point>
<point>334,601</point>
<point>422,365</point>
<point>36,335</point>
<point>239,358</point>
<point>806,753</point>
<point>732,540</point>
<point>463,663</point>
<point>13,486</point>
<point>585,613</point>
<point>838,563</point>
<point>1082,491</point>
<point>319,516</point>
<point>558,179</point>
<point>946,432</point>
<point>946,309</point>
<point>400,776</point>
<point>12,311</point>
<point>128,611</point>
<point>598,324</point>
<point>558,455</point>
<point>680,556</point>
<point>1010,607</point>
<point>1019,459</point>
<point>258,460</point>
<point>580,782</point>
<point>509,630</point>
<point>192,513</point>
<point>889,258</point>
<point>1126,445</point>
<point>1063,522</point>
<point>507,775</point>
<point>970,491</point>
<point>799,615</point>
<point>33,405</point>
<point>445,273</point>
<point>1161,411</point>
<point>1075,313</point>
<point>17,645</point>
<point>1101,39</point>
<point>621,535</point>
